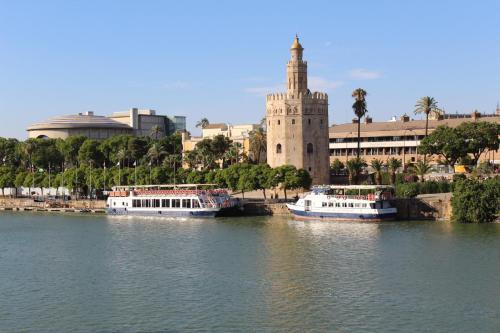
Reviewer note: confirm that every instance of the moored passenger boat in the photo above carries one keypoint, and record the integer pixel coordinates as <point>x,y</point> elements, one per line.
<point>345,203</point>
<point>191,200</point>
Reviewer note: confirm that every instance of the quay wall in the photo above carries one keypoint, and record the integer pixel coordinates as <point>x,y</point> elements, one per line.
<point>424,207</point>
<point>26,203</point>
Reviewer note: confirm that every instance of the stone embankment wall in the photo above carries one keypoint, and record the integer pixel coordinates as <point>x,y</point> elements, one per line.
<point>25,203</point>
<point>424,207</point>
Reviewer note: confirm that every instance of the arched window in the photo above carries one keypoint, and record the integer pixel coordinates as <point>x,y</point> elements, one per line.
<point>310,148</point>
<point>293,121</point>
<point>279,122</point>
<point>278,148</point>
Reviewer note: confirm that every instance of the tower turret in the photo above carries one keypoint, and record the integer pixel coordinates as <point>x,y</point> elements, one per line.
<point>296,70</point>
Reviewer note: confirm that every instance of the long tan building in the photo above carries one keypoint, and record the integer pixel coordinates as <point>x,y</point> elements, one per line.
<point>397,138</point>
<point>297,123</point>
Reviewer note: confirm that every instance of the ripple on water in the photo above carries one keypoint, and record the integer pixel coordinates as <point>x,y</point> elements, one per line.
<point>98,274</point>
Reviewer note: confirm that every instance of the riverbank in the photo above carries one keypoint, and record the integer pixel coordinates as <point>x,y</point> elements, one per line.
<point>424,207</point>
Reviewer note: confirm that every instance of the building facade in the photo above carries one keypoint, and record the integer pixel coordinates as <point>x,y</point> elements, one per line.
<point>398,138</point>
<point>132,122</point>
<point>297,123</point>
<point>236,133</point>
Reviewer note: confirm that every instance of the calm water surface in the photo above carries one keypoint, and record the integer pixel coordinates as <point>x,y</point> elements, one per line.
<point>98,274</point>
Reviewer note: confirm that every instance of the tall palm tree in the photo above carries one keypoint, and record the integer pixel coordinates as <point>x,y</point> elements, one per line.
<point>393,164</point>
<point>421,168</point>
<point>156,152</point>
<point>354,168</point>
<point>377,165</point>
<point>203,123</point>
<point>122,155</point>
<point>359,108</point>
<point>156,131</point>
<point>426,105</point>
<point>258,143</point>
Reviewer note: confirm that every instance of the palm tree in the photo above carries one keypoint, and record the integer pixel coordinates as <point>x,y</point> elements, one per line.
<point>377,165</point>
<point>393,164</point>
<point>354,168</point>
<point>258,143</point>
<point>156,131</point>
<point>122,155</point>
<point>203,123</point>
<point>426,105</point>
<point>421,168</point>
<point>156,152</point>
<point>359,108</point>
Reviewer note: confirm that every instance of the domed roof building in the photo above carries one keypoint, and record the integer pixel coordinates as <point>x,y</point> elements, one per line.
<point>86,124</point>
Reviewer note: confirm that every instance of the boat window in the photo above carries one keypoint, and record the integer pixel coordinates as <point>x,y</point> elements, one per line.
<point>146,203</point>
<point>196,204</point>
<point>351,204</point>
<point>186,203</point>
<point>372,205</point>
<point>324,204</point>
<point>176,203</point>
<point>363,205</point>
<point>330,204</point>
<point>156,203</point>
<point>337,204</point>
<point>344,204</point>
<point>165,202</point>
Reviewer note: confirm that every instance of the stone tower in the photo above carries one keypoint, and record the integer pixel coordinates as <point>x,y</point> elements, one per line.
<point>297,123</point>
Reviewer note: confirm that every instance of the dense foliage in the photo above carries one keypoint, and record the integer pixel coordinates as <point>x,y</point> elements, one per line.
<point>476,201</point>
<point>82,164</point>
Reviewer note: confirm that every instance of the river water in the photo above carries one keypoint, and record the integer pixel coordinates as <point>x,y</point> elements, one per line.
<point>64,273</point>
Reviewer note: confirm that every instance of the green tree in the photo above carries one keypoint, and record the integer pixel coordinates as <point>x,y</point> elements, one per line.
<point>474,201</point>
<point>156,131</point>
<point>426,105</point>
<point>336,166</point>
<point>445,142</point>
<point>478,137</point>
<point>156,153</point>
<point>258,144</point>
<point>90,153</point>
<point>354,168</point>
<point>393,164</point>
<point>377,165</point>
<point>7,177</point>
<point>262,173</point>
<point>421,168</point>
<point>69,148</point>
<point>360,110</point>
<point>285,177</point>
<point>219,146</point>
<point>137,148</point>
<point>203,123</point>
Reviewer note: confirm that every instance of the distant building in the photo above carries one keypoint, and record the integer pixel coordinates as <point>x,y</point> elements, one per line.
<point>236,133</point>
<point>394,138</point>
<point>132,122</point>
<point>297,123</point>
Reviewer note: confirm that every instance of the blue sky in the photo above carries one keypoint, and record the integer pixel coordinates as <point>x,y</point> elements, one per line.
<point>218,59</point>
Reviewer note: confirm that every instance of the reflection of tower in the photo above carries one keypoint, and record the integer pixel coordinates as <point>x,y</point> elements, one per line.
<point>297,123</point>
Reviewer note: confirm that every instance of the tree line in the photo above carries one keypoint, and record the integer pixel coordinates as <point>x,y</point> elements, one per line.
<point>87,166</point>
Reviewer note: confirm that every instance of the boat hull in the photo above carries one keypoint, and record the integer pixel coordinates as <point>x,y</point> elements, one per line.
<point>334,216</point>
<point>163,213</point>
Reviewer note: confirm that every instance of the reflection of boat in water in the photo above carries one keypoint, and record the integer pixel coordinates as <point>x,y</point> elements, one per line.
<point>345,203</point>
<point>191,200</point>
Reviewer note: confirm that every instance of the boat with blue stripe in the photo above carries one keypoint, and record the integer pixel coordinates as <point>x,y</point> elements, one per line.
<point>345,203</point>
<point>186,200</point>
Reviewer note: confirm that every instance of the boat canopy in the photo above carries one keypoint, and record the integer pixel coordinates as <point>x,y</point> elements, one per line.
<point>167,186</point>
<point>354,187</point>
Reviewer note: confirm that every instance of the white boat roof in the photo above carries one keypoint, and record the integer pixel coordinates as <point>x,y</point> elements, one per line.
<point>171,186</point>
<point>353,187</point>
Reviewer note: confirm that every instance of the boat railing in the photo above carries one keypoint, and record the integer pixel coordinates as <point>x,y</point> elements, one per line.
<point>369,197</point>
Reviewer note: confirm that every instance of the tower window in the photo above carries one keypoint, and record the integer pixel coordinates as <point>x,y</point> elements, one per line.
<point>278,148</point>
<point>279,122</point>
<point>310,148</point>
<point>293,121</point>
<point>269,123</point>
<point>321,121</point>
<point>309,121</point>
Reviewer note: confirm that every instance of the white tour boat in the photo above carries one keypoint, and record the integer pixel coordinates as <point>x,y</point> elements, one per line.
<point>346,203</point>
<point>186,200</point>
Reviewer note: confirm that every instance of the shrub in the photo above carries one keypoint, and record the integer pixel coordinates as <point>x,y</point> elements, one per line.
<point>474,201</point>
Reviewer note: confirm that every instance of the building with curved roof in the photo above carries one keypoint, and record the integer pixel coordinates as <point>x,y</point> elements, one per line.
<point>138,122</point>
<point>86,124</point>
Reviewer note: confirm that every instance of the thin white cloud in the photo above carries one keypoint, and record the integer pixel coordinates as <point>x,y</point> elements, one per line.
<point>320,83</point>
<point>177,85</point>
<point>364,74</point>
